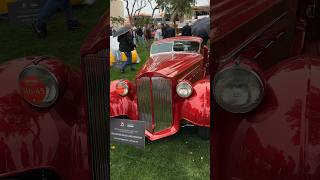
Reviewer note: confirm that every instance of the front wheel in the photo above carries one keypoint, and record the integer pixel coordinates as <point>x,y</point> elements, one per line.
<point>204,132</point>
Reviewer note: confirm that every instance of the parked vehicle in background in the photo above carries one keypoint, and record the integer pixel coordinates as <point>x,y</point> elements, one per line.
<point>53,120</point>
<point>173,86</point>
<point>266,87</point>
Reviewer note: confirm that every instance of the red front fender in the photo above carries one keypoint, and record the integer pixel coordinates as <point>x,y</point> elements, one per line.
<point>31,138</point>
<point>281,138</point>
<point>122,106</point>
<point>196,109</point>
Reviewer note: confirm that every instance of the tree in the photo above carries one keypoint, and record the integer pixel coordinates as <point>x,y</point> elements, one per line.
<point>154,7</point>
<point>134,9</point>
<point>117,21</point>
<point>142,21</point>
<point>176,8</point>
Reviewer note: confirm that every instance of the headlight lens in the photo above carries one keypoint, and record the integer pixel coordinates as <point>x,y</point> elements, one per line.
<point>38,86</point>
<point>184,89</point>
<point>237,89</point>
<point>122,88</point>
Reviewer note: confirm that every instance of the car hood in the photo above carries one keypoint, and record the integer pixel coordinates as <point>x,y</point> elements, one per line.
<point>173,65</point>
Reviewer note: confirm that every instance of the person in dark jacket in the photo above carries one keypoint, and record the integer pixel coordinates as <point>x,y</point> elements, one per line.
<point>126,45</point>
<point>140,35</point>
<point>186,30</point>
<point>163,29</point>
<point>170,32</point>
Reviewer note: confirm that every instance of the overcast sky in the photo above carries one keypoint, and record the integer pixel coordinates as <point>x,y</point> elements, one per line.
<point>148,9</point>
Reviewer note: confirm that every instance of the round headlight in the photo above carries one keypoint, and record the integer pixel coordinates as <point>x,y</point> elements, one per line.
<point>238,89</point>
<point>184,89</point>
<point>122,88</point>
<point>38,86</point>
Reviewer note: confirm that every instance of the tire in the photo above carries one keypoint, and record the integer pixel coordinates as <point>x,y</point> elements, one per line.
<point>203,132</point>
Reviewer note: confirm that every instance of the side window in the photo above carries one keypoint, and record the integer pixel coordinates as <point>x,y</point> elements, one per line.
<point>188,46</point>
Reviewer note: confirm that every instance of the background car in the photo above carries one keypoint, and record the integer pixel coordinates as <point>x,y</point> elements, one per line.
<point>173,86</point>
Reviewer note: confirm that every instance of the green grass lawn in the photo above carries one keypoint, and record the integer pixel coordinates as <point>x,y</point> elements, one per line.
<point>19,40</point>
<point>116,74</point>
<point>181,156</point>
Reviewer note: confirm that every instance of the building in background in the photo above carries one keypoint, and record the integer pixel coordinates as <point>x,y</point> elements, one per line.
<point>198,12</point>
<point>201,11</point>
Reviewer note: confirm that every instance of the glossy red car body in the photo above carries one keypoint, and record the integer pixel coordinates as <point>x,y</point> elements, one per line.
<point>52,142</point>
<point>279,139</point>
<point>175,67</point>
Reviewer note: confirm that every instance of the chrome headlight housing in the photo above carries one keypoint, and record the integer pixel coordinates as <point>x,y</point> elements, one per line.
<point>184,89</point>
<point>122,88</point>
<point>38,86</point>
<point>238,89</point>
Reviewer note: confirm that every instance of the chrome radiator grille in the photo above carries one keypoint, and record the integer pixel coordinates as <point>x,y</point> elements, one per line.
<point>96,74</point>
<point>144,101</point>
<point>155,103</point>
<point>162,102</point>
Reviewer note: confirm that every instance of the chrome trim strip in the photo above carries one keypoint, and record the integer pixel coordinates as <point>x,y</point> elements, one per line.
<point>251,38</point>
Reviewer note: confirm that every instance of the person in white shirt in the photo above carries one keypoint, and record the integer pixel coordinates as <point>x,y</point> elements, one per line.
<point>158,34</point>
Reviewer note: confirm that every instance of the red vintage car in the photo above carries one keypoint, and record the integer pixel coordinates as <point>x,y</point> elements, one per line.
<point>172,87</point>
<point>53,118</point>
<point>266,89</point>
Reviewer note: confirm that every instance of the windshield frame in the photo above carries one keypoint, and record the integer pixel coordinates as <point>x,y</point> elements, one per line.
<point>177,52</point>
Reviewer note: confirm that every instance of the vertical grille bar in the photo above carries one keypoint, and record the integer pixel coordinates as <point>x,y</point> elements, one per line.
<point>144,101</point>
<point>96,75</point>
<point>162,102</point>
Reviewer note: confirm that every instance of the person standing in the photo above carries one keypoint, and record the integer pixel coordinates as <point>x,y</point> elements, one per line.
<point>134,35</point>
<point>186,30</point>
<point>144,28</point>
<point>49,9</point>
<point>158,34</point>
<point>140,35</point>
<point>148,36</point>
<point>126,45</point>
<point>164,31</point>
<point>170,31</point>
<point>148,32</point>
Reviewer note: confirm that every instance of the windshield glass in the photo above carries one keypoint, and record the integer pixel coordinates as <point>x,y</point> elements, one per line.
<point>160,48</point>
<point>177,46</point>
